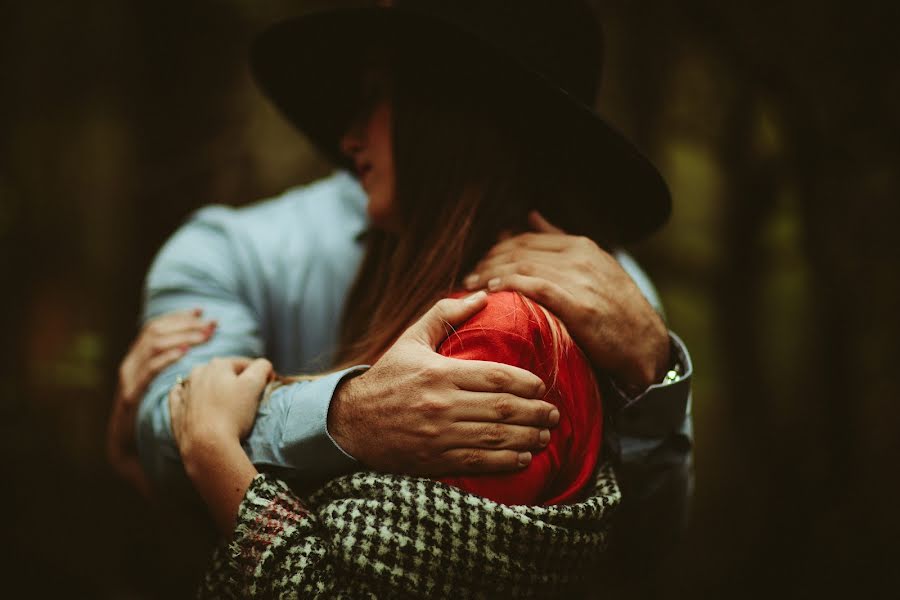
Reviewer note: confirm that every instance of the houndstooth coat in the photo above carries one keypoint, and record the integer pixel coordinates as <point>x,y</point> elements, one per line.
<point>369,535</point>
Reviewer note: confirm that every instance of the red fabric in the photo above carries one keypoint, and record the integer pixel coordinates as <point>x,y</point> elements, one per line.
<point>513,330</point>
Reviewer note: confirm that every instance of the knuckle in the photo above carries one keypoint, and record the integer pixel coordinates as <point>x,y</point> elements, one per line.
<point>431,408</point>
<point>428,374</point>
<point>473,458</point>
<point>497,379</point>
<point>493,434</point>
<point>542,290</point>
<point>582,265</point>
<point>526,268</point>
<point>430,431</point>
<point>422,456</point>
<point>504,408</point>
<point>443,305</point>
<point>589,311</point>
<point>528,237</point>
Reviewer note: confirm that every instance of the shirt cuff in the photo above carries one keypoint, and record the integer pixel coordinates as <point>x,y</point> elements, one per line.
<point>661,409</point>
<point>291,430</point>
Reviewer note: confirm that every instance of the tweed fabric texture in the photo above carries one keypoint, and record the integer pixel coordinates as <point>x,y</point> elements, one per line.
<point>370,535</point>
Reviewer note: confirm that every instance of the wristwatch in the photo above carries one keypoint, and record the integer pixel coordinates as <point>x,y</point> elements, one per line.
<point>673,374</point>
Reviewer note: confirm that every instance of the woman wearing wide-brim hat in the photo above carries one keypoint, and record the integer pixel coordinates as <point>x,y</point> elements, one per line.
<point>459,118</point>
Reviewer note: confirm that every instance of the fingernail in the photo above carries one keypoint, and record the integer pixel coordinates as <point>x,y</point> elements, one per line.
<point>475,297</point>
<point>471,281</point>
<point>545,437</point>
<point>494,283</point>
<point>524,459</point>
<point>212,325</point>
<point>184,348</point>
<point>554,417</point>
<point>197,312</point>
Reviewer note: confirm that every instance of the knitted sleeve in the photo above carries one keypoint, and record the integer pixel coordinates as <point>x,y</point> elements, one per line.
<point>276,550</point>
<point>375,535</point>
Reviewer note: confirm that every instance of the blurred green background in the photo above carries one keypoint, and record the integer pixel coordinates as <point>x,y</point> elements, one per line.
<point>776,125</point>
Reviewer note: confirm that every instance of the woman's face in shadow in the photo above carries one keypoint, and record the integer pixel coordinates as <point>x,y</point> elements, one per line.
<point>368,143</point>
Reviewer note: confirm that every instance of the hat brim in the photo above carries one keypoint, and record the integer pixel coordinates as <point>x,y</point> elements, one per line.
<point>310,66</point>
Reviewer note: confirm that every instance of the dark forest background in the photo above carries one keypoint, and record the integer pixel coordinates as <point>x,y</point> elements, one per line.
<point>776,124</point>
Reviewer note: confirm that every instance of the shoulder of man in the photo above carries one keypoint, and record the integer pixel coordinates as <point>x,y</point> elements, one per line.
<point>332,203</point>
<point>239,248</point>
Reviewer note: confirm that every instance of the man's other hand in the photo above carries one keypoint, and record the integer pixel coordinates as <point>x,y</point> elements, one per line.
<point>590,292</point>
<point>417,412</point>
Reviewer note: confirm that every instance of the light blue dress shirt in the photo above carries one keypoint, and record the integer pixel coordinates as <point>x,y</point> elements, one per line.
<point>275,275</point>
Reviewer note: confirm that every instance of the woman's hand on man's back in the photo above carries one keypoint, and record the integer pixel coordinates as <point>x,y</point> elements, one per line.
<point>417,412</point>
<point>161,342</point>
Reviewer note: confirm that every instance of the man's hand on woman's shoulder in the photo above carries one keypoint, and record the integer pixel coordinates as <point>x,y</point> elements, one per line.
<point>417,412</point>
<point>590,292</point>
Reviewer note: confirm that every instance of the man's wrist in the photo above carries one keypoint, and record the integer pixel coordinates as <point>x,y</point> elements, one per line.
<point>660,410</point>
<point>668,372</point>
<point>648,368</point>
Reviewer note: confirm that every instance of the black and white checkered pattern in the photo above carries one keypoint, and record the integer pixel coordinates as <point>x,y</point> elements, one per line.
<point>371,535</point>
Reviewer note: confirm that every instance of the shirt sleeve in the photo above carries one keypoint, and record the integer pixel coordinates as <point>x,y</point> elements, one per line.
<point>207,264</point>
<point>652,436</point>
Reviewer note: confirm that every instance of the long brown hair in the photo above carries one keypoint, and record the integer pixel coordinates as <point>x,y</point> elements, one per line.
<point>466,168</point>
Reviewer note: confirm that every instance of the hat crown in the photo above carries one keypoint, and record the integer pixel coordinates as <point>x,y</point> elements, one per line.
<point>542,58</point>
<point>560,40</point>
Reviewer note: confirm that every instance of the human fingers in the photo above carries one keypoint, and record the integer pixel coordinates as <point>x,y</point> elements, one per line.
<point>434,326</point>
<point>542,225</point>
<point>177,413</point>
<point>519,254</point>
<point>180,339</point>
<point>543,291</point>
<point>551,242</point>
<point>256,375</point>
<point>497,436</point>
<point>488,407</point>
<point>232,365</point>
<point>487,376</point>
<point>176,322</point>
<point>533,264</point>
<point>480,460</point>
<point>146,371</point>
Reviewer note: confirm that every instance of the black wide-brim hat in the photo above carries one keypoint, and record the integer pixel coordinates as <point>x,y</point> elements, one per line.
<point>548,51</point>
